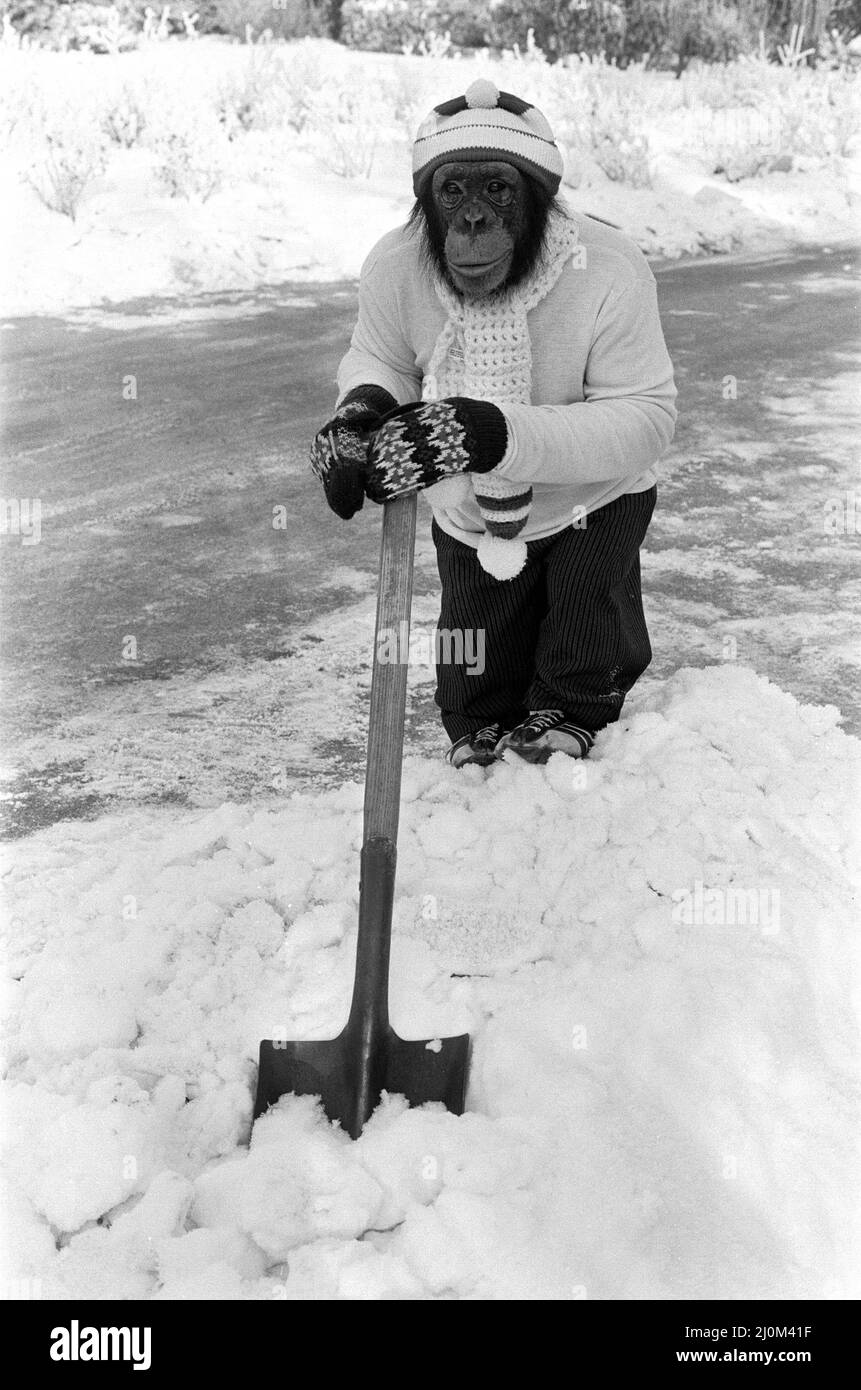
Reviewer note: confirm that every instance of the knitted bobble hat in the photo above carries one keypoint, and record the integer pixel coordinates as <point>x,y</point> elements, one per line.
<point>485,123</point>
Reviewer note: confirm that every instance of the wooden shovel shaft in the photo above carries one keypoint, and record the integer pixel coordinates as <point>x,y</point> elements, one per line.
<point>389,680</point>
<point>369,1011</point>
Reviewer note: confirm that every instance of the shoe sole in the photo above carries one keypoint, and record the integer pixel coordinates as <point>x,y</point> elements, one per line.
<point>482,760</point>
<point>534,755</point>
<point>475,760</point>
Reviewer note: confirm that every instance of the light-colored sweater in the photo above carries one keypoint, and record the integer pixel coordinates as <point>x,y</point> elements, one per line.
<point>603,396</point>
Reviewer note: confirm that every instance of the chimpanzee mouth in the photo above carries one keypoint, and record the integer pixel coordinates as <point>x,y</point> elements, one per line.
<point>477,267</point>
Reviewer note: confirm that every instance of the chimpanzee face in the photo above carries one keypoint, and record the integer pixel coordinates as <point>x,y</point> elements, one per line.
<point>481,214</point>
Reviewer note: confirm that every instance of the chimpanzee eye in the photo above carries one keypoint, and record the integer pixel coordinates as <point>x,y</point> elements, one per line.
<point>451,192</point>
<point>499,191</point>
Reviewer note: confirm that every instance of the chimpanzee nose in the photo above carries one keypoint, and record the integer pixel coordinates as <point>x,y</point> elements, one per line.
<point>473,215</point>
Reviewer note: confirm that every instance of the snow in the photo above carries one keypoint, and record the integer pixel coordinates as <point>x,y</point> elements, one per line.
<point>653,952</point>
<point>287,210</point>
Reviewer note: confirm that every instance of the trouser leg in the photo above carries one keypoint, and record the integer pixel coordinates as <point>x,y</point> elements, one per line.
<point>496,623</point>
<point>593,643</point>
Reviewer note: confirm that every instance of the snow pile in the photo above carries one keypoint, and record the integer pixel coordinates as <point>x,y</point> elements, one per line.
<point>652,952</point>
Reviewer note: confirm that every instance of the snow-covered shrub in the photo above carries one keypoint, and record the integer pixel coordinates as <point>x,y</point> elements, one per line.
<point>158,25</point>
<point>97,28</point>
<point>301,79</point>
<point>591,26</point>
<point>344,128</point>
<point>708,29</point>
<point>767,112</point>
<point>188,152</point>
<point>600,112</point>
<point>434,45</point>
<point>621,149</point>
<point>647,32</point>
<point>408,92</point>
<point>20,104</point>
<point>124,117</point>
<point>67,153</point>
<point>12,38</point>
<point>819,113</point>
<point>715,88</point>
<point>253,95</point>
<point>283,19</point>
<point>402,26</point>
<point>739,159</point>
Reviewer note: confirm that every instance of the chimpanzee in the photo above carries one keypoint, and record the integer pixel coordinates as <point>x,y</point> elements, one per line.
<point>518,344</point>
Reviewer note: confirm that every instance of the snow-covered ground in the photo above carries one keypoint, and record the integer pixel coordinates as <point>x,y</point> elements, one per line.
<point>653,951</point>
<point>283,213</point>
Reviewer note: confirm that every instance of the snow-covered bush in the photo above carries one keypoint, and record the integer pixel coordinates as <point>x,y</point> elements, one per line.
<point>188,152</point>
<point>283,19</point>
<point>402,26</point>
<point>20,104</point>
<point>253,96</point>
<point>739,159</point>
<point>767,112</point>
<point>67,154</point>
<point>620,148</point>
<point>715,88</point>
<point>591,26</point>
<point>599,112</point>
<point>819,112</point>
<point>124,117</point>
<point>301,77</point>
<point>98,28</point>
<point>715,32</point>
<point>409,91</point>
<point>344,130</point>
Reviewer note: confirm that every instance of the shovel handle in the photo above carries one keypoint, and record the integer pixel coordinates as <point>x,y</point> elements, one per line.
<point>389,679</point>
<point>369,1010</point>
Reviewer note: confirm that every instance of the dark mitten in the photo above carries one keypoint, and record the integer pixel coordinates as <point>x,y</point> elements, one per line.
<point>425,443</point>
<point>339,453</point>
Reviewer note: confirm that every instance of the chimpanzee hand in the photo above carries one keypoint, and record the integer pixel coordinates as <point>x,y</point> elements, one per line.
<point>424,443</point>
<point>339,453</point>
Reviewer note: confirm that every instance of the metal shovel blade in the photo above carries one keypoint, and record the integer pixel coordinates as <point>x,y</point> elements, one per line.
<point>350,1086</point>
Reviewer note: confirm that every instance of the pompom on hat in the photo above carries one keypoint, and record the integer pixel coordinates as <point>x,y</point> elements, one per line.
<point>485,123</point>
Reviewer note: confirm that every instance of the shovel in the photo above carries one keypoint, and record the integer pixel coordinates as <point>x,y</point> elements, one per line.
<point>350,1072</point>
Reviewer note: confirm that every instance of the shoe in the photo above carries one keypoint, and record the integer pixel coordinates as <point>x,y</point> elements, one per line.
<point>547,731</point>
<point>478,747</point>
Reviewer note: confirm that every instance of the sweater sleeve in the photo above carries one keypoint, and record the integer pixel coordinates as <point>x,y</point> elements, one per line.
<point>627,417</point>
<point>379,353</point>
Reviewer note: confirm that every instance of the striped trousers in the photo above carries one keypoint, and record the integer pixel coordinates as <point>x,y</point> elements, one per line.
<point>567,633</point>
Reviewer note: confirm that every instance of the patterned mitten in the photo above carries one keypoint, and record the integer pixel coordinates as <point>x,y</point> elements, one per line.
<point>339,453</point>
<point>425,443</point>
<point>432,440</point>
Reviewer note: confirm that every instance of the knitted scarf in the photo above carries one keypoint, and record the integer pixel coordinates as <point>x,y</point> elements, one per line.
<point>484,352</point>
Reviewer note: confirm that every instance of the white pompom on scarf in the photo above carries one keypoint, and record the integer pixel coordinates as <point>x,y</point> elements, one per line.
<point>484,352</point>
